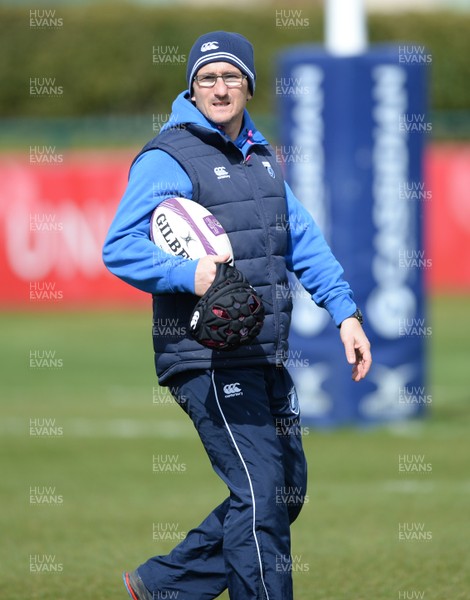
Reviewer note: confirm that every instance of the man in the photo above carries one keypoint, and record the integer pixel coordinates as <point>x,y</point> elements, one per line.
<point>236,399</point>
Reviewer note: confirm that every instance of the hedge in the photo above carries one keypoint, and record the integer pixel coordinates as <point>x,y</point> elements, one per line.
<point>113,59</point>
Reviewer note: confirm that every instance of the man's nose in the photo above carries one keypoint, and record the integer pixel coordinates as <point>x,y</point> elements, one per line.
<point>220,87</point>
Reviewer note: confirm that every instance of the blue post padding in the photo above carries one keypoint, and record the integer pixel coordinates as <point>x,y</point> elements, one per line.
<point>352,137</point>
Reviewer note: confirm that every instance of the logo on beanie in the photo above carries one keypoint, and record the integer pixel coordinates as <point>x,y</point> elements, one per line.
<point>209,46</point>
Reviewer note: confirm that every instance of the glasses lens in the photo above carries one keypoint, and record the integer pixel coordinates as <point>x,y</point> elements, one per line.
<point>230,80</point>
<point>207,80</point>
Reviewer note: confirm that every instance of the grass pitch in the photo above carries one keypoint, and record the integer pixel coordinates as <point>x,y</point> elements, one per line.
<point>81,500</point>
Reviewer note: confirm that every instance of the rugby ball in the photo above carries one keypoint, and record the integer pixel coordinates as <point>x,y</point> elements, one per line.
<point>182,227</point>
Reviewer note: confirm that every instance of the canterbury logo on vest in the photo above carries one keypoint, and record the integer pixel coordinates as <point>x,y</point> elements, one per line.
<point>209,46</point>
<point>232,389</point>
<point>221,173</point>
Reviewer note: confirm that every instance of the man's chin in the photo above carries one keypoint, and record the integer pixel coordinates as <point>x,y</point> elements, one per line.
<point>220,121</point>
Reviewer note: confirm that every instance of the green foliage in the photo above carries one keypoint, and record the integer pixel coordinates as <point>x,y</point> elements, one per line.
<point>102,55</point>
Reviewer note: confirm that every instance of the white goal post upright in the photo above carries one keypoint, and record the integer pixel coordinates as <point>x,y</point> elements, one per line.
<point>345,27</point>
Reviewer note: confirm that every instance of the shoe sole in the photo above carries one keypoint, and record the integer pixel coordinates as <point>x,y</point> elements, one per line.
<point>130,591</point>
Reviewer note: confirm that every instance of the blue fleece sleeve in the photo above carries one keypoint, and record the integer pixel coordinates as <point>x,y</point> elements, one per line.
<point>128,251</point>
<point>310,258</point>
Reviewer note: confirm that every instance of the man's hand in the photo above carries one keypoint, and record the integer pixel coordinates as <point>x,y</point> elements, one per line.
<point>205,272</point>
<point>356,346</point>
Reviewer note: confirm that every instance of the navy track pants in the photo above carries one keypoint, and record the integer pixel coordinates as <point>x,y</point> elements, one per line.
<point>248,422</point>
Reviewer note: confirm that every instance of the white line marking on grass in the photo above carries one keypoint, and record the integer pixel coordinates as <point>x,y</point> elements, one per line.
<point>406,429</point>
<point>98,428</point>
<point>125,428</point>
<point>408,487</point>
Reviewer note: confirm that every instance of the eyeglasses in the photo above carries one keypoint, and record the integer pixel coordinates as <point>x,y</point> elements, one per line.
<point>231,80</point>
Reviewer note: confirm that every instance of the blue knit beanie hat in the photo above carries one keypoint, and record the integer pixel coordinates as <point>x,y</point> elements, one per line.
<point>222,46</point>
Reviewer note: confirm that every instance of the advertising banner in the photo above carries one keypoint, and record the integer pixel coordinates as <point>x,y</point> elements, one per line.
<point>55,211</point>
<point>447,223</point>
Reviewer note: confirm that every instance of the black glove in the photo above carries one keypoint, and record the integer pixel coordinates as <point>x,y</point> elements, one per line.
<point>229,314</point>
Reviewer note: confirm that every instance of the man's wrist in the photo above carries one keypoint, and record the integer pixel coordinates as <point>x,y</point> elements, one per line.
<point>357,314</point>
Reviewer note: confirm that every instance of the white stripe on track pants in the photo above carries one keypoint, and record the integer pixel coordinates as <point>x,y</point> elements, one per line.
<point>248,422</point>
